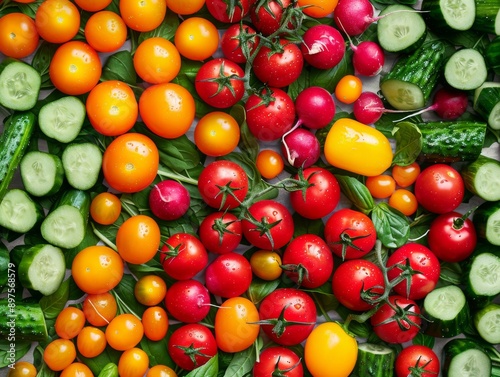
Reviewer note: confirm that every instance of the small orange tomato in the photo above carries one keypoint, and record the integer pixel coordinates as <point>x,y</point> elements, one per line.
<point>105,31</point>
<point>69,322</point>
<point>217,134</point>
<point>22,369</point>
<point>196,38</point>
<point>161,371</point>
<point>138,239</point>
<point>133,362</point>
<point>143,15</point>
<point>406,175</point>
<point>91,341</point>
<point>124,331</point>
<point>185,7</point>
<point>381,186</point>
<point>269,163</point>
<point>57,21</point>
<point>59,353</point>
<point>404,201</point>
<point>18,35</point>
<point>105,208</point>
<point>348,89</point>
<point>266,264</point>
<point>155,322</point>
<point>156,60</point>
<point>77,369</point>
<point>99,309</point>
<point>318,8</point>
<point>150,290</point>
<point>93,5</point>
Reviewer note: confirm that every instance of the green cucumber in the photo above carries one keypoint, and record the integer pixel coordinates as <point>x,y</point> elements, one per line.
<point>42,268</point>
<point>411,80</point>
<point>65,224</point>
<point>62,119</point>
<point>482,177</point>
<point>487,103</point>
<point>486,220</point>
<point>20,85</point>
<point>42,173</point>
<point>22,321</point>
<point>374,360</point>
<point>449,15</point>
<point>400,29</point>
<point>465,357</point>
<point>492,55</point>
<point>19,212</point>
<point>465,69</point>
<point>487,323</point>
<point>447,311</point>
<point>82,164</point>
<point>4,265</point>
<point>14,140</point>
<point>487,17</point>
<point>451,141</point>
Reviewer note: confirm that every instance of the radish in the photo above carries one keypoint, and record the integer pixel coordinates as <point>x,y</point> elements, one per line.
<point>300,147</point>
<point>323,46</point>
<point>314,107</point>
<point>368,108</point>
<point>169,200</point>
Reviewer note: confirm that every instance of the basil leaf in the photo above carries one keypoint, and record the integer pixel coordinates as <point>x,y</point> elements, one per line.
<point>356,192</point>
<point>41,62</point>
<point>210,368</point>
<point>53,304</point>
<point>7,357</point>
<point>248,144</point>
<point>408,143</point>
<point>329,78</point>
<point>99,362</point>
<point>156,351</point>
<point>307,226</point>
<point>260,288</point>
<point>120,66</point>
<point>125,300</point>
<point>110,370</point>
<point>424,340</point>
<point>393,228</point>
<point>165,30</point>
<point>242,363</point>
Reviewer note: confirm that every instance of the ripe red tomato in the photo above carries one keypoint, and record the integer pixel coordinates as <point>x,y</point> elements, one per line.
<point>187,301</point>
<point>239,42</point>
<point>270,114</point>
<point>365,280</point>
<point>278,360</point>
<point>417,357</point>
<point>320,197</point>
<point>399,326</point>
<point>308,261</point>
<point>267,18</point>
<point>220,232</point>
<point>268,225</point>
<point>439,188</point>
<point>223,184</point>
<point>409,259</point>
<point>228,275</point>
<point>278,69</point>
<point>191,346</point>
<point>183,256</point>
<point>350,234</point>
<point>228,12</point>
<point>287,304</point>
<point>220,83</point>
<point>451,237</point>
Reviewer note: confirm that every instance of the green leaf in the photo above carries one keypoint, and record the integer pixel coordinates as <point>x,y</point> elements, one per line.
<point>408,143</point>
<point>260,288</point>
<point>248,144</point>
<point>299,85</point>
<point>157,352</point>
<point>124,296</point>
<point>166,29</point>
<point>424,340</point>
<point>110,370</point>
<point>356,192</point>
<point>329,78</point>
<point>12,350</point>
<point>41,62</point>
<point>98,363</point>
<point>242,363</point>
<point>307,226</point>
<point>120,66</point>
<point>210,368</point>
<point>393,228</point>
<point>451,273</point>
<point>53,304</point>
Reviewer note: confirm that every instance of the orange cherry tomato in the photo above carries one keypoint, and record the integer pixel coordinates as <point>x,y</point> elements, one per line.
<point>156,60</point>
<point>124,332</point>
<point>406,175</point>
<point>59,353</point>
<point>133,362</point>
<point>130,162</point>
<point>97,269</point>
<point>22,369</point>
<point>105,208</point>
<point>269,163</point>
<point>77,369</point>
<point>75,68</point>
<point>155,322</point>
<point>93,5</point>
<point>185,7</point>
<point>138,239</point>
<point>91,341</point>
<point>105,31</point>
<point>99,309</point>
<point>57,21</point>
<point>150,290</point>
<point>196,38</point>
<point>266,264</point>
<point>217,134</point>
<point>18,35</point>
<point>381,186</point>
<point>143,15</point>
<point>177,105</point>
<point>348,89</point>
<point>404,201</point>
<point>161,371</point>
<point>112,108</point>
<point>318,8</point>
<point>69,322</point>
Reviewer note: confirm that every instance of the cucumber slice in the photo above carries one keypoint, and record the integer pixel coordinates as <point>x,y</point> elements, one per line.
<point>487,323</point>
<point>82,165</point>
<point>19,85</point>
<point>487,17</point>
<point>465,69</point>
<point>450,14</point>
<point>465,357</point>
<point>487,103</point>
<point>62,119</point>
<point>42,268</point>
<point>486,220</point>
<point>401,29</point>
<point>42,173</point>
<point>374,360</point>
<point>18,212</point>
<point>482,177</point>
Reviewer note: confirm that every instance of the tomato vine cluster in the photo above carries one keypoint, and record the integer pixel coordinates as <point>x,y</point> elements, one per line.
<point>216,237</point>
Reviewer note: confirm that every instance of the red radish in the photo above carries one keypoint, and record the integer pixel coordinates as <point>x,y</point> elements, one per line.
<point>355,16</point>
<point>323,46</point>
<point>315,107</point>
<point>368,108</point>
<point>300,147</point>
<point>169,200</point>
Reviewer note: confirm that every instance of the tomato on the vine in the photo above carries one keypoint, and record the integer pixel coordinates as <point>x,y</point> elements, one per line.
<point>228,12</point>
<point>238,42</point>
<point>228,275</point>
<point>277,360</point>
<point>417,358</point>
<point>267,18</point>
<point>220,232</point>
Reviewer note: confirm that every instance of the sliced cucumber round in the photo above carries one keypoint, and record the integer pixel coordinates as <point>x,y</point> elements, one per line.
<point>466,69</point>
<point>62,119</point>
<point>487,323</point>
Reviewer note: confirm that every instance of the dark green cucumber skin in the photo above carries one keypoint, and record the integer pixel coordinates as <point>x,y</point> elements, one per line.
<point>452,141</point>
<point>492,55</point>
<point>481,215</point>
<point>488,98</point>
<point>27,318</point>
<point>14,140</point>
<point>434,16</point>
<point>469,171</point>
<point>79,199</point>
<point>4,265</point>
<point>25,264</point>
<point>486,12</point>
<point>422,67</point>
<point>447,329</point>
<point>454,347</point>
<point>371,365</point>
